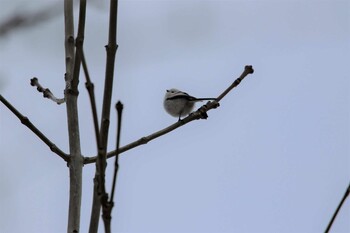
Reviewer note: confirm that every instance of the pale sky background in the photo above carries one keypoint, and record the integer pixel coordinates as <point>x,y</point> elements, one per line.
<point>273,158</point>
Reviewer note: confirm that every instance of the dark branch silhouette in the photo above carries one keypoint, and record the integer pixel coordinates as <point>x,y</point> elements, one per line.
<point>346,194</point>
<point>90,88</point>
<point>119,106</point>
<point>24,120</point>
<point>107,209</point>
<point>100,197</point>
<point>95,210</point>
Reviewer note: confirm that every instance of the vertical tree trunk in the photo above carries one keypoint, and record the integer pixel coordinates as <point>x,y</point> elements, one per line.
<point>75,166</point>
<point>71,94</point>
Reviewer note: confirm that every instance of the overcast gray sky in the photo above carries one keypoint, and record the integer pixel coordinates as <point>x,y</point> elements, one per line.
<point>273,158</point>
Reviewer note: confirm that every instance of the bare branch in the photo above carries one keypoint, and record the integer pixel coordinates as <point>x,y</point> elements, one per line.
<point>69,41</point>
<point>119,106</point>
<point>346,194</point>
<point>247,70</point>
<point>90,88</point>
<point>100,195</point>
<point>79,45</point>
<point>24,120</point>
<point>108,206</point>
<point>95,210</point>
<point>71,95</point>
<point>201,113</point>
<point>46,91</point>
<point>107,211</point>
<point>111,50</point>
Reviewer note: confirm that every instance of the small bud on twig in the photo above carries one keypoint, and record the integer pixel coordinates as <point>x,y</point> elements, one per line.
<point>46,91</point>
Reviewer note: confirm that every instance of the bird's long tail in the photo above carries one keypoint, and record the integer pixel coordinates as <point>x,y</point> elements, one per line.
<point>201,99</point>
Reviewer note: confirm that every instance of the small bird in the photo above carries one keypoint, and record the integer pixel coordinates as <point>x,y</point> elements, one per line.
<point>178,103</point>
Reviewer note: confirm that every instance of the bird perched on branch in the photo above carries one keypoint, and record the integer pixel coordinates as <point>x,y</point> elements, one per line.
<point>178,103</point>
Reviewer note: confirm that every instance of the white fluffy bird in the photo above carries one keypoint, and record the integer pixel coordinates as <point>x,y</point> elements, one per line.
<point>178,103</point>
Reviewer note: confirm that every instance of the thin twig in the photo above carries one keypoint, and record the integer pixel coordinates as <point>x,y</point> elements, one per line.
<point>46,91</point>
<point>69,41</point>
<point>95,210</point>
<point>79,44</point>
<point>100,196</point>
<point>119,107</point>
<point>24,120</point>
<point>346,194</point>
<point>111,50</point>
<point>201,113</point>
<point>90,88</point>
<point>247,70</point>
<point>107,207</point>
